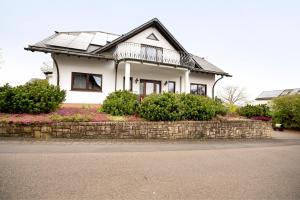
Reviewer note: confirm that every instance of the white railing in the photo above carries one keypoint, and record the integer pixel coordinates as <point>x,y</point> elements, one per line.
<point>128,50</point>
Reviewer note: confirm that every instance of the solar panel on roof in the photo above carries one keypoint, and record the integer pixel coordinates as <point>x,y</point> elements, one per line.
<point>61,40</point>
<point>81,42</point>
<point>111,37</point>
<point>100,39</point>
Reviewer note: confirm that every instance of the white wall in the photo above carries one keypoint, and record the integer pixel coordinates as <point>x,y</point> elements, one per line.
<point>257,102</point>
<point>69,64</point>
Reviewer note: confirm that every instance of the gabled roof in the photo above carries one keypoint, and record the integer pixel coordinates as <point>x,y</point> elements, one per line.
<point>90,44</point>
<point>268,95</point>
<point>152,23</point>
<point>206,66</point>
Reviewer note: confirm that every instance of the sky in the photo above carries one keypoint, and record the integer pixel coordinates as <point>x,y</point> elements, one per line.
<point>257,41</point>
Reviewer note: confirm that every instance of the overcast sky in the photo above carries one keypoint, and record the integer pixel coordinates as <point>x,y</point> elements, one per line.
<point>258,42</point>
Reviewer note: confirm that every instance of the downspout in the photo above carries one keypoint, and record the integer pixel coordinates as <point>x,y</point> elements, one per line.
<point>116,74</point>
<point>57,70</point>
<point>213,88</point>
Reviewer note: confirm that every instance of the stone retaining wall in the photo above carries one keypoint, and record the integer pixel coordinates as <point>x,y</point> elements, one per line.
<point>140,130</point>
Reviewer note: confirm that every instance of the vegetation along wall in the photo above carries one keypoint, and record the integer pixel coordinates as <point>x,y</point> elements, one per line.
<point>140,130</point>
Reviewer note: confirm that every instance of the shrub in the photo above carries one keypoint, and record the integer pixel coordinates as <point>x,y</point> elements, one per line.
<point>196,107</point>
<point>6,95</point>
<point>161,107</point>
<point>220,108</point>
<point>286,111</point>
<point>254,110</point>
<point>34,97</point>
<point>171,107</point>
<point>120,103</point>
<point>232,109</point>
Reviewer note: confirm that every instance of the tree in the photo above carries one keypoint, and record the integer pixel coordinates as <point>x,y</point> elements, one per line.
<point>233,95</point>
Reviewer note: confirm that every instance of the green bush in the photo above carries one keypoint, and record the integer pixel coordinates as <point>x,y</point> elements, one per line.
<point>254,110</point>
<point>172,107</point>
<point>220,108</point>
<point>6,95</point>
<point>196,107</point>
<point>120,103</point>
<point>286,111</point>
<point>232,108</point>
<point>33,97</point>
<point>161,107</point>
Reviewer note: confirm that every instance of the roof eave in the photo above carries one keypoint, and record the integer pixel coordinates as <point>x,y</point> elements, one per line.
<point>47,50</point>
<point>269,98</point>
<point>212,72</point>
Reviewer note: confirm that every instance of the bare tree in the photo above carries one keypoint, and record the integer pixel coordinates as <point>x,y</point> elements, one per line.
<point>233,95</point>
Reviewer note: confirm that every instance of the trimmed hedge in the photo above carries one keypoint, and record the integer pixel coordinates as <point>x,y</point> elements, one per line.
<point>161,107</point>
<point>120,103</point>
<point>254,111</point>
<point>34,97</point>
<point>195,107</point>
<point>172,107</point>
<point>286,111</point>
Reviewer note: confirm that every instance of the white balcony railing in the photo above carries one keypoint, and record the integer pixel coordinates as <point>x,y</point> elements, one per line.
<point>128,50</point>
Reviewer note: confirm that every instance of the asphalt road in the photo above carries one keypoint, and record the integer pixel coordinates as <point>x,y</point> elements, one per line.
<point>89,169</point>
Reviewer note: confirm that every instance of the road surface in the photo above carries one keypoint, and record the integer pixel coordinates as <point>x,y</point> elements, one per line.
<point>107,169</point>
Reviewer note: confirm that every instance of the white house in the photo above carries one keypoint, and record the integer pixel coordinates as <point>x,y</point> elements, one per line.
<point>148,59</point>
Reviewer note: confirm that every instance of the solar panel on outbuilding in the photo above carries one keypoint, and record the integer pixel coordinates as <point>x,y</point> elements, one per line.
<point>81,42</point>
<point>100,39</point>
<point>61,40</point>
<point>295,91</point>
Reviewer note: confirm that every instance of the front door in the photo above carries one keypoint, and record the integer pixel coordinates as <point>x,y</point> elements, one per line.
<point>148,87</point>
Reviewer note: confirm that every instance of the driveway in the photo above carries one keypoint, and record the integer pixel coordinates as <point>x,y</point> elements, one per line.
<point>107,169</point>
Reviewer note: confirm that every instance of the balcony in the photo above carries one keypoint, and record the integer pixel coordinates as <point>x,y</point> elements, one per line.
<point>141,52</point>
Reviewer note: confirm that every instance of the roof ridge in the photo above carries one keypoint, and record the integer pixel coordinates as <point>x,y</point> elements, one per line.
<point>280,89</point>
<point>153,21</point>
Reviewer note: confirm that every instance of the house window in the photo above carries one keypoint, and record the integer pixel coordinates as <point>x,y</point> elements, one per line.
<point>199,89</point>
<point>171,86</point>
<point>130,84</point>
<point>86,82</point>
<point>152,53</point>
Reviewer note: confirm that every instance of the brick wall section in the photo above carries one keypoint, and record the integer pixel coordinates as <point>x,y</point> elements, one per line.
<point>140,130</point>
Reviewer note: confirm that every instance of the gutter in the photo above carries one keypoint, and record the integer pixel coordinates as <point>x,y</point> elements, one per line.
<point>47,50</point>
<point>116,74</point>
<point>213,88</point>
<point>57,69</point>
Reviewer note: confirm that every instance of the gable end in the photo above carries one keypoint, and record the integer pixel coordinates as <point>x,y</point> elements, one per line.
<point>152,37</point>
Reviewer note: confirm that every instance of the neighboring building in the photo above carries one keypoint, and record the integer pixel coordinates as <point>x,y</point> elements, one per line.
<point>148,59</point>
<point>267,96</point>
